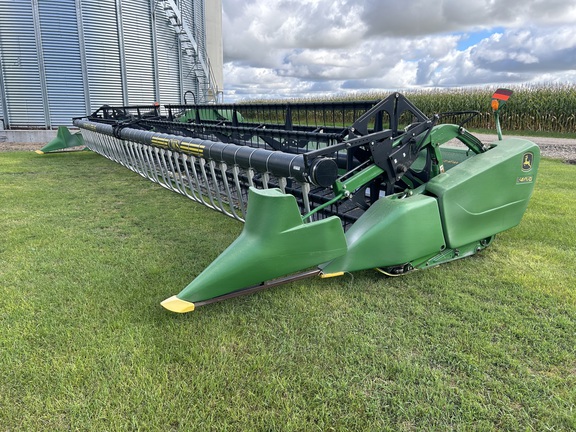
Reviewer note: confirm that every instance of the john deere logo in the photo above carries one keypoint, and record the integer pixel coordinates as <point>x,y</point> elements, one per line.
<point>527,161</point>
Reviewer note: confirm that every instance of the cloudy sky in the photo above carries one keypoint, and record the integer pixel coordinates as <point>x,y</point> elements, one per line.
<point>305,48</point>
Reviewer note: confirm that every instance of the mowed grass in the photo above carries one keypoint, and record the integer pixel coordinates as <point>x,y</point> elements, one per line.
<point>88,250</point>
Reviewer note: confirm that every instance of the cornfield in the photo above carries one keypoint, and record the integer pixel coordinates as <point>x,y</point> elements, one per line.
<point>549,108</point>
<point>541,108</point>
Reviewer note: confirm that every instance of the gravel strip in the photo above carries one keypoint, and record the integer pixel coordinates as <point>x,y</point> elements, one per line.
<point>26,146</point>
<point>556,148</point>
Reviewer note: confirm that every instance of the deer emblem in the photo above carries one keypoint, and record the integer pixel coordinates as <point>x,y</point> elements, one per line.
<point>527,162</point>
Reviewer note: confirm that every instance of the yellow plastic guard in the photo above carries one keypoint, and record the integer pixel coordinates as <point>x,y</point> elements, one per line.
<point>330,275</point>
<point>175,304</point>
<point>39,152</point>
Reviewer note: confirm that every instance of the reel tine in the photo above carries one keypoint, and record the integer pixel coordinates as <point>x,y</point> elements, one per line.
<point>150,167</point>
<point>193,164</point>
<point>217,191</point>
<point>231,204</point>
<point>282,184</point>
<point>305,198</point>
<point>193,191</point>
<point>175,176</point>
<point>217,184</point>
<point>202,163</point>
<point>160,167</point>
<point>239,196</point>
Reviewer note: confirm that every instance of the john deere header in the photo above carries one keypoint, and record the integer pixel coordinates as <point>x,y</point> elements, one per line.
<point>323,188</point>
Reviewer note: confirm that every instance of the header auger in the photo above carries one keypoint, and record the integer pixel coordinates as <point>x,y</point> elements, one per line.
<point>323,188</point>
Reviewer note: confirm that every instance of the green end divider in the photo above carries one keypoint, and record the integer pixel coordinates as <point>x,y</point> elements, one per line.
<point>64,139</point>
<point>275,242</point>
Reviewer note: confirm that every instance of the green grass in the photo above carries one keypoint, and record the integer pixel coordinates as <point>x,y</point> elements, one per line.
<point>88,250</point>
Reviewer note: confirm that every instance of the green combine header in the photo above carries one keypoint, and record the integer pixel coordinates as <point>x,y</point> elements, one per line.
<point>323,188</point>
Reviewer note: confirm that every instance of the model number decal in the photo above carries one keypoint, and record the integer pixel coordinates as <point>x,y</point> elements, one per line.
<point>525,179</point>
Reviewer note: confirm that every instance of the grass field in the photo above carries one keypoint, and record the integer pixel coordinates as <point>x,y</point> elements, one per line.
<point>88,250</point>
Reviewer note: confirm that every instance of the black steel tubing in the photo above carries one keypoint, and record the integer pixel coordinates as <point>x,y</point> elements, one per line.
<point>320,173</point>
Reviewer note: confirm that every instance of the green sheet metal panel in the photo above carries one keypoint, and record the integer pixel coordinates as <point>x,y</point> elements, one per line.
<point>452,156</point>
<point>273,243</point>
<point>488,193</point>
<point>392,232</point>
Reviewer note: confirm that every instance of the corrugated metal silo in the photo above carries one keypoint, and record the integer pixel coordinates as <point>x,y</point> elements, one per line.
<point>65,58</point>
<point>22,95</point>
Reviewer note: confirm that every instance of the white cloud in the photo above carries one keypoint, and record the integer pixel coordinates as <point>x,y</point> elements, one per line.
<point>424,17</point>
<point>294,48</point>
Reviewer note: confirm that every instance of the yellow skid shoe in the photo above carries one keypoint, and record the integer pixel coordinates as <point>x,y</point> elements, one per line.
<point>174,304</point>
